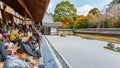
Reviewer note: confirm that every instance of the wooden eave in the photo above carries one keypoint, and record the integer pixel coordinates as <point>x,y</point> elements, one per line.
<point>35,9</point>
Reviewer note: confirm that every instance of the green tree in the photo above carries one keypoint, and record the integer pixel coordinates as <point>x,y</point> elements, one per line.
<point>94,11</point>
<point>83,23</point>
<point>63,10</point>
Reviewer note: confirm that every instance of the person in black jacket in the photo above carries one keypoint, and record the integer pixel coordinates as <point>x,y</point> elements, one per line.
<point>31,42</point>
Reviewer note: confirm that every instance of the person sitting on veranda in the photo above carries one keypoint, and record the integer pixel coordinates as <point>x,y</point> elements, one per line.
<point>18,61</point>
<point>8,43</point>
<point>3,52</point>
<point>9,46</point>
<point>38,35</point>
<point>14,35</point>
<point>5,34</point>
<point>33,44</point>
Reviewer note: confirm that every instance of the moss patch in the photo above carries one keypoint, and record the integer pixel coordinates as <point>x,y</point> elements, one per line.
<point>108,47</point>
<point>116,49</point>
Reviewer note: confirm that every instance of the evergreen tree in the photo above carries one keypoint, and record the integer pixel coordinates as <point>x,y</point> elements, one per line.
<point>63,10</point>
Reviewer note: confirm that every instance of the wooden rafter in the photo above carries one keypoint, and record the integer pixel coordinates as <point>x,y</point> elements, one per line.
<point>25,7</point>
<point>34,9</point>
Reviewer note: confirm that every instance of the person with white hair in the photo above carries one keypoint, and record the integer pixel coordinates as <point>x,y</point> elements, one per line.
<point>18,61</point>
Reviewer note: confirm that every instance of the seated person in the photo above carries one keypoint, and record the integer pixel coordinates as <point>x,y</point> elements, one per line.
<point>32,43</point>
<point>4,34</point>
<point>8,44</point>
<point>14,36</point>
<point>1,31</point>
<point>18,61</point>
<point>37,34</point>
<point>3,52</point>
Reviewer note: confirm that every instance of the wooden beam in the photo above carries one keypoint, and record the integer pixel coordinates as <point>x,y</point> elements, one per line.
<point>21,2</point>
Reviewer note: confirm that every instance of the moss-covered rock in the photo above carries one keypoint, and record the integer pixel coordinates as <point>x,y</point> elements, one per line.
<point>110,45</point>
<point>117,49</point>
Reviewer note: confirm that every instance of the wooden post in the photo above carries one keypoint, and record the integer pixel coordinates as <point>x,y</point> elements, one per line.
<point>25,16</point>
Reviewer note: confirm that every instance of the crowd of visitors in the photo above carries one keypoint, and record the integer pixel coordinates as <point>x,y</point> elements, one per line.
<point>15,52</point>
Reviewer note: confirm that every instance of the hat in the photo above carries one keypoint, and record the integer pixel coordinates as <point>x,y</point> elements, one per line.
<point>28,49</point>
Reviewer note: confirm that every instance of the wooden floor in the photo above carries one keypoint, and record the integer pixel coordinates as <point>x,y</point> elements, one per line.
<point>1,64</point>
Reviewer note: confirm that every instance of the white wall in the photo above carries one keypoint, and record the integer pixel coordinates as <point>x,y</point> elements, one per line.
<point>53,30</point>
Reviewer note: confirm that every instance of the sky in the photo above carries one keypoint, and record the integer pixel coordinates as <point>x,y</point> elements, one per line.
<point>83,6</point>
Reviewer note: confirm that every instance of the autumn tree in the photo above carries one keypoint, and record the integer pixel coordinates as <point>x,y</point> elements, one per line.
<point>63,10</point>
<point>81,22</point>
<point>67,23</point>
